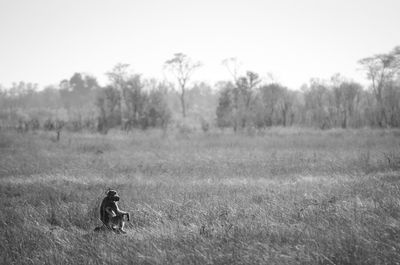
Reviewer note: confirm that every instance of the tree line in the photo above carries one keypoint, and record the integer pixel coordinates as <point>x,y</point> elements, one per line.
<point>130,101</point>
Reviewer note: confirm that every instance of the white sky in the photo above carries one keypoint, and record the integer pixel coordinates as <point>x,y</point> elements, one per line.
<point>45,41</point>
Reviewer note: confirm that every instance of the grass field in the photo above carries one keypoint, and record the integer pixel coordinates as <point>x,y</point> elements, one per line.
<point>294,196</point>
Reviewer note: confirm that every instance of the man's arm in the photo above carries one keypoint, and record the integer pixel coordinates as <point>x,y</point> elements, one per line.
<point>120,212</point>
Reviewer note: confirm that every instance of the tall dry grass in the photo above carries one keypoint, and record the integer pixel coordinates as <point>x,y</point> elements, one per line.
<point>285,196</point>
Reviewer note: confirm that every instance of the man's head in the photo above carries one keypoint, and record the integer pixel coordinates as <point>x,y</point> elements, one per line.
<point>112,194</point>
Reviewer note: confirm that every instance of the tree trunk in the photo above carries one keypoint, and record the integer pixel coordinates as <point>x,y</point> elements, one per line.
<point>382,119</point>
<point>291,118</point>
<point>344,122</point>
<point>123,108</point>
<point>284,116</point>
<point>183,102</point>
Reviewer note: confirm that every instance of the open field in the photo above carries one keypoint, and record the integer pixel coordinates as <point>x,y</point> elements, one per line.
<point>293,196</point>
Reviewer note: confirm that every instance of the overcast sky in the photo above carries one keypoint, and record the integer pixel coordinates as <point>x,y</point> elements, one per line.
<point>44,41</point>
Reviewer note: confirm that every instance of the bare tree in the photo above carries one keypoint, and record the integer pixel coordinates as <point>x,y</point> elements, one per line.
<point>287,103</point>
<point>245,88</point>
<point>272,96</point>
<point>135,99</point>
<point>107,102</point>
<point>318,101</point>
<point>233,66</point>
<point>118,76</point>
<point>381,69</point>
<point>183,68</point>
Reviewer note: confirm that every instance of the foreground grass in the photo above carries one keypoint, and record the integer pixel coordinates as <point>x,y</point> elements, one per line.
<point>284,197</point>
